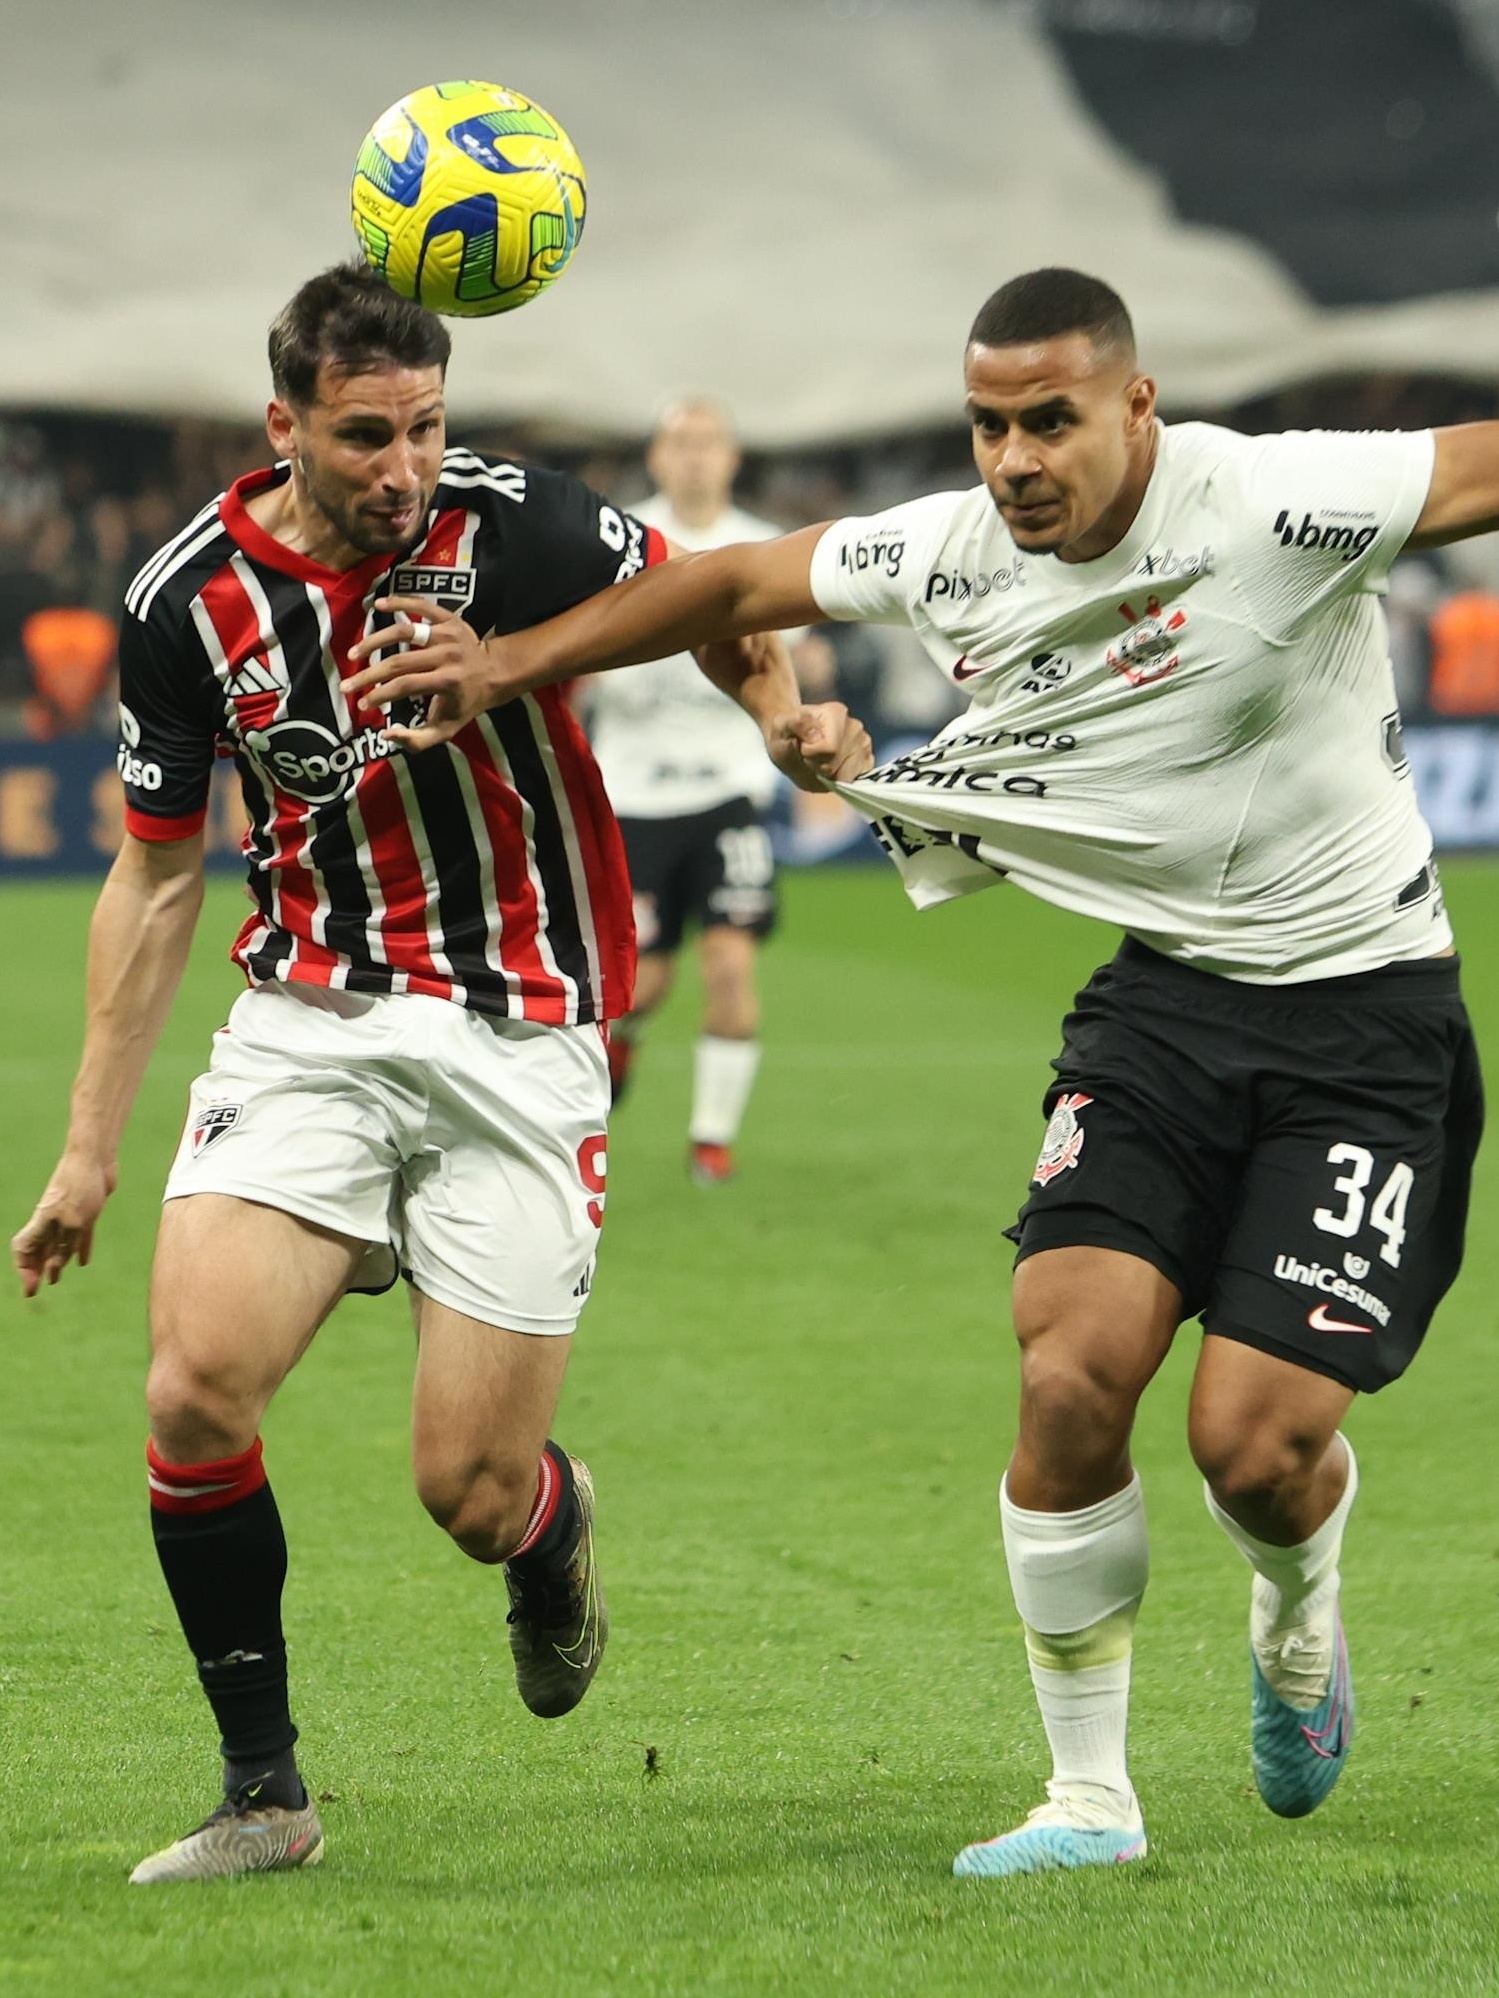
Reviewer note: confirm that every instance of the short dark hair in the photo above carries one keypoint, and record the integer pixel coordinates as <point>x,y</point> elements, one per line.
<point>350,316</point>
<point>1040,305</point>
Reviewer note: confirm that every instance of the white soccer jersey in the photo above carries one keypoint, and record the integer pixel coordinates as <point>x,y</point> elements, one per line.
<point>666,739</point>
<point>1194,737</point>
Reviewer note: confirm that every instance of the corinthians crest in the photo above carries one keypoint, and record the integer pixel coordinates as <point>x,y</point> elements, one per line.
<point>1063,1143</point>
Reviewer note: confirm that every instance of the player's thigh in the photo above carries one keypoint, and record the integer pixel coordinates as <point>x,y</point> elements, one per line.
<point>501,1210</point>
<point>727,957</point>
<point>1258,1422</point>
<point>237,1292</point>
<point>654,971</point>
<point>1350,1224</point>
<point>1093,1325</point>
<point>733,872</point>
<point>482,1406</point>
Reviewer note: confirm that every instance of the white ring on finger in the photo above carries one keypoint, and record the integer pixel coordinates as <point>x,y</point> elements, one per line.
<point>421,631</point>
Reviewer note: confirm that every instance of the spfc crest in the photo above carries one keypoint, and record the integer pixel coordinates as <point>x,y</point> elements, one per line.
<point>452,588</point>
<point>210,1125</point>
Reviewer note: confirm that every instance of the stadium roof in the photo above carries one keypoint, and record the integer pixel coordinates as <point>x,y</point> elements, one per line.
<point>796,203</point>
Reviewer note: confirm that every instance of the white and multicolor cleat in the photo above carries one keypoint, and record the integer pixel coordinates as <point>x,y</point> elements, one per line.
<point>1299,1752</point>
<point>238,1838</point>
<point>1076,1826</point>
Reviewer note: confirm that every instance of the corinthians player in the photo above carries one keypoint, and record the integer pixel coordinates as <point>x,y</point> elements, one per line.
<point>418,1069</point>
<point>686,773</point>
<point>1266,1107</point>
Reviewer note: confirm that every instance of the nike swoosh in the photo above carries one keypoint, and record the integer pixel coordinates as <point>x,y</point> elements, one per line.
<point>963,671</point>
<point>1320,1322</point>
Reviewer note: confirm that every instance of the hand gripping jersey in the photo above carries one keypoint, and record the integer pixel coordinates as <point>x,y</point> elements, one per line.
<point>1194,737</point>
<point>667,740</point>
<point>488,871</point>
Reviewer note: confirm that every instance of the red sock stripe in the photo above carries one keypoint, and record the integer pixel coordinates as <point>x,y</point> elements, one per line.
<point>548,1491</point>
<point>203,1487</point>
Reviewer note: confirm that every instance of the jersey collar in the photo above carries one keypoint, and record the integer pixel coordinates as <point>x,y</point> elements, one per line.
<point>273,554</point>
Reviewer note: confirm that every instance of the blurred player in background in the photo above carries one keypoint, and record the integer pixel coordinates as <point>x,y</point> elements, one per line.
<point>1268,1104</point>
<point>417,1073</point>
<point>686,773</point>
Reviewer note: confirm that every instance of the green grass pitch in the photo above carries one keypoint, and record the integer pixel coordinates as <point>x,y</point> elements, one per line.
<point>796,1394</point>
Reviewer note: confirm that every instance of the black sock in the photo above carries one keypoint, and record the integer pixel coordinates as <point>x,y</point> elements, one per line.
<point>557,1536</point>
<point>225,1565</point>
<point>266,1779</point>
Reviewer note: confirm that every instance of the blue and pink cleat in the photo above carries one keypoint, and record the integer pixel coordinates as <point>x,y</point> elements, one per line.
<point>1298,1756</point>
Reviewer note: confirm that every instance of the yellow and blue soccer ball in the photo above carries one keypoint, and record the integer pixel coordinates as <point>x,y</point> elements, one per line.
<point>469,198</point>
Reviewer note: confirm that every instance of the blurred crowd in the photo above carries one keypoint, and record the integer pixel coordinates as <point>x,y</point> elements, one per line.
<point>84,500</point>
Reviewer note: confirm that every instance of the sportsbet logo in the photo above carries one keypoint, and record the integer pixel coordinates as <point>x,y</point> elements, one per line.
<point>310,761</point>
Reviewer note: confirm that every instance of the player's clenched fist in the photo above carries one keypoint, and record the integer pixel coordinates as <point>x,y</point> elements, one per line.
<point>63,1225</point>
<point>820,744</point>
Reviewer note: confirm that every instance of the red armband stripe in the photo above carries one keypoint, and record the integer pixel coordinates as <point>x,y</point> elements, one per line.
<point>655,547</point>
<point>143,826</point>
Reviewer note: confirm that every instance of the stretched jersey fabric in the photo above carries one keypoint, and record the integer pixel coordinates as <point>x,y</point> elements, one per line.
<point>488,871</point>
<point>667,740</point>
<point>1196,735</point>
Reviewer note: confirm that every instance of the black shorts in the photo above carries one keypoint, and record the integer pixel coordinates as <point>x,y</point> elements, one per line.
<point>703,867</point>
<point>1295,1159</point>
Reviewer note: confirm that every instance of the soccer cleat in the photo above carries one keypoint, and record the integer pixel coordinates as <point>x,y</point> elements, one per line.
<point>559,1623</point>
<point>710,1165</point>
<point>238,1838</point>
<point>1299,1752</point>
<point>1072,1828</point>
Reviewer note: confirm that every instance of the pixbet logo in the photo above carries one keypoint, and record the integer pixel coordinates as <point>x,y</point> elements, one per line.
<point>1348,543</point>
<point>958,588</point>
<point>310,762</point>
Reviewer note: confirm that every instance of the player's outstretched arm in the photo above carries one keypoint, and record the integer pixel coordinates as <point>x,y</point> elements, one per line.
<point>1464,496</point>
<point>677,606</point>
<point>811,744</point>
<point>138,944</point>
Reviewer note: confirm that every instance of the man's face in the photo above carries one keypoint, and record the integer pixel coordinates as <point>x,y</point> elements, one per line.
<point>693,458</point>
<point>1061,430</point>
<point>369,449</point>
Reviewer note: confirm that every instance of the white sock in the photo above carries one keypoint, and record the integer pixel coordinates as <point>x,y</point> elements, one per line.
<point>1078,1579</point>
<point>723,1074</point>
<point>1293,1607</point>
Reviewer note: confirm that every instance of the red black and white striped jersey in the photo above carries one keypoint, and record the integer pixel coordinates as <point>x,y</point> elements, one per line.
<point>488,871</point>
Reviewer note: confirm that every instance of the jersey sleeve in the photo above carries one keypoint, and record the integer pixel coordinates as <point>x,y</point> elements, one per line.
<point>567,543</point>
<point>166,750</point>
<point>1327,511</point>
<point>869,568</point>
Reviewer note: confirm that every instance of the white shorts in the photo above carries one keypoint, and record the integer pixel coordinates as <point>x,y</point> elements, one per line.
<point>473,1147</point>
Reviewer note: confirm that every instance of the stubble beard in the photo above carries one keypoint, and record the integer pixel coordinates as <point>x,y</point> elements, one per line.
<point>356,529</point>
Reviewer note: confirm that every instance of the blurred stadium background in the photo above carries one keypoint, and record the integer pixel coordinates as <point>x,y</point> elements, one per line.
<point>816,1690</point>
<point>796,206</point>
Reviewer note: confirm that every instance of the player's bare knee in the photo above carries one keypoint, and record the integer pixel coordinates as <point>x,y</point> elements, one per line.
<point>1070,1406</point>
<point>1253,1466</point>
<point>196,1416</point>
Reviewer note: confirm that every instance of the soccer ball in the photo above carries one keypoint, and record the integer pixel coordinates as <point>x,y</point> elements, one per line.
<point>468,198</point>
